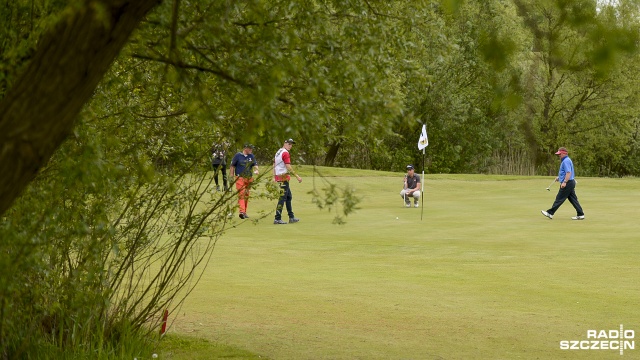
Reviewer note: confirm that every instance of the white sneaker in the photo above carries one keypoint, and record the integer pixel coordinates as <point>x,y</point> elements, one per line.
<point>546,214</point>
<point>580,217</point>
<point>416,205</point>
<point>407,205</point>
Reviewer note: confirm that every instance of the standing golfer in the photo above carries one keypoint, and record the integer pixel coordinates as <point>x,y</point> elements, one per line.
<point>566,177</point>
<point>219,164</point>
<point>411,187</point>
<point>281,170</point>
<point>243,166</point>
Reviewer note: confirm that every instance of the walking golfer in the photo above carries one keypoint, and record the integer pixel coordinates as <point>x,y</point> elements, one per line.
<point>281,170</point>
<point>243,166</point>
<point>411,187</point>
<point>566,177</point>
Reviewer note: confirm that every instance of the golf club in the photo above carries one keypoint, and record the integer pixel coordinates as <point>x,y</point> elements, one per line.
<point>548,187</point>
<point>404,188</point>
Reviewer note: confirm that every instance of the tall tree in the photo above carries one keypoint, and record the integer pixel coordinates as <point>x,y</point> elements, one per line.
<point>570,81</point>
<point>464,72</point>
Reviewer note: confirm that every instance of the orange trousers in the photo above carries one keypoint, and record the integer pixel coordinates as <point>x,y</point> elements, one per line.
<point>243,185</point>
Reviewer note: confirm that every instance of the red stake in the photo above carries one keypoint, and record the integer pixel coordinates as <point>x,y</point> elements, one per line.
<point>164,322</point>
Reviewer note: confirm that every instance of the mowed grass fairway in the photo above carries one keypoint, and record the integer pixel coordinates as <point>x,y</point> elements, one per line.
<point>483,276</point>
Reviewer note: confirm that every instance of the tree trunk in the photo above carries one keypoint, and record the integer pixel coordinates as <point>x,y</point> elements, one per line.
<point>330,158</point>
<point>39,111</point>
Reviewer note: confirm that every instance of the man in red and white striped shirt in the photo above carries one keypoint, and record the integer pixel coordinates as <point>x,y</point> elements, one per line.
<point>281,170</point>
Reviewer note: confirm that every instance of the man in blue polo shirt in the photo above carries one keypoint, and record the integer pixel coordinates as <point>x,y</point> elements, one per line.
<point>243,166</point>
<point>566,177</point>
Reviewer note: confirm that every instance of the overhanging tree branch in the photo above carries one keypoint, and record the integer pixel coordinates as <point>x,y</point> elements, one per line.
<point>182,65</point>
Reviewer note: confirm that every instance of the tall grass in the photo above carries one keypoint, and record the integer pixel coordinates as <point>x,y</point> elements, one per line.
<point>510,162</point>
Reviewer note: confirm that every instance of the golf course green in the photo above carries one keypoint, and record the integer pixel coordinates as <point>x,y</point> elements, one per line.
<point>483,275</point>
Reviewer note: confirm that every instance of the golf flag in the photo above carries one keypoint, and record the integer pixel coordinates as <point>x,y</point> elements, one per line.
<point>424,140</point>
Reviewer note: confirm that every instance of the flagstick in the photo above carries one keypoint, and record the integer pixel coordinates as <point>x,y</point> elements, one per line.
<point>423,142</point>
<point>404,191</point>
<point>422,187</point>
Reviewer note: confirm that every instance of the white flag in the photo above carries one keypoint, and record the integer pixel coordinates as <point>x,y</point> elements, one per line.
<point>424,140</point>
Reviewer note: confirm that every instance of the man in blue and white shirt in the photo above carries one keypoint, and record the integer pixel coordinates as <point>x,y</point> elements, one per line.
<point>566,177</point>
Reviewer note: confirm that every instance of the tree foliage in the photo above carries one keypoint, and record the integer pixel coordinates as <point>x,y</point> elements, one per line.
<point>111,127</point>
<point>572,81</point>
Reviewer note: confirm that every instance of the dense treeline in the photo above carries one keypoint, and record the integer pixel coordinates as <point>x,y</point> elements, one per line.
<point>507,83</point>
<point>117,183</point>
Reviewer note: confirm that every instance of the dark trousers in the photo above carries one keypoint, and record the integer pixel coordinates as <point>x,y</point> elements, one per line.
<point>568,192</point>
<point>218,168</point>
<point>285,198</point>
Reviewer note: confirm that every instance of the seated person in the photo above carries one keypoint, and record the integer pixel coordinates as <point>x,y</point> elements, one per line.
<point>411,187</point>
